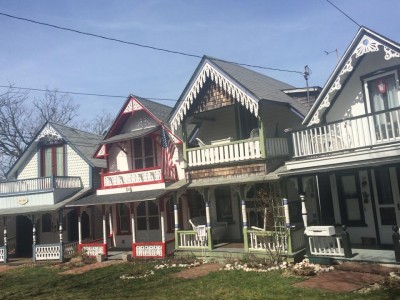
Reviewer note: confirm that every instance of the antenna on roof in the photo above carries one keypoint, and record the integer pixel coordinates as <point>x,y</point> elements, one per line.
<point>329,52</point>
<point>306,74</point>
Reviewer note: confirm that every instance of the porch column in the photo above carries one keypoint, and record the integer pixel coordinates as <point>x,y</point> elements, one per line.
<point>162,220</point>
<point>242,190</point>
<point>206,197</point>
<point>79,226</point>
<point>5,239</point>
<point>33,238</point>
<point>133,224</point>
<point>304,210</point>
<point>104,228</point>
<point>287,223</point>
<point>111,225</point>
<point>176,219</point>
<point>262,138</point>
<point>60,219</point>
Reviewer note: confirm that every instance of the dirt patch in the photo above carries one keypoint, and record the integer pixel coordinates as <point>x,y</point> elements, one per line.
<point>366,268</point>
<point>198,271</point>
<point>97,265</point>
<point>341,281</point>
<point>5,268</point>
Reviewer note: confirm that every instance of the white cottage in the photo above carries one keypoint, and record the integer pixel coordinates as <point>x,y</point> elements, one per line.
<point>55,169</point>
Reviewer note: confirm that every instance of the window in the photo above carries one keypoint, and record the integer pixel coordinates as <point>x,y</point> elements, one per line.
<point>53,162</point>
<point>224,204</point>
<point>147,216</point>
<point>123,219</point>
<point>143,153</point>
<point>382,92</point>
<point>350,200</point>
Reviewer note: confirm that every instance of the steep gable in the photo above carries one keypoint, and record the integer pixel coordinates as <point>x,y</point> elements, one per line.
<point>238,83</point>
<point>365,42</point>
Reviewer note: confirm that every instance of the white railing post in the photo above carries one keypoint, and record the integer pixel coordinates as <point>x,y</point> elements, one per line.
<point>133,226</point>
<point>104,230</point>
<point>304,210</point>
<point>162,220</point>
<point>79,228</point>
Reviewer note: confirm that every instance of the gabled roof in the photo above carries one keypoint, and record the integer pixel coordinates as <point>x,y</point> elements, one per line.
<point>365,41</point>
<point>247,86</point>
<point>82,142</point>
<point>158,112</point>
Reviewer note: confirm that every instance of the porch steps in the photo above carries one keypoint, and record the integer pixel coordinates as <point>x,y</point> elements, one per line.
<point>117,254</point>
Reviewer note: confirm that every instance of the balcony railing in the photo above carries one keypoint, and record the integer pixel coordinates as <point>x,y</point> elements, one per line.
<point>353,133</point>
<point>235,151</point>
<point>39,184</point>
<point>131,178</point>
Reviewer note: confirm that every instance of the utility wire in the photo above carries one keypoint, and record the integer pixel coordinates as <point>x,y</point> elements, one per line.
<point>350,18</point>
<point>142,45</point>
<point>80,93</point>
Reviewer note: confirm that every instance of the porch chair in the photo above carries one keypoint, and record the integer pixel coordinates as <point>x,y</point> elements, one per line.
<point>218,228</point>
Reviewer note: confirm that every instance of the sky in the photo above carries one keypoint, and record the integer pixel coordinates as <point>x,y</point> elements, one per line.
<point>285,34</point>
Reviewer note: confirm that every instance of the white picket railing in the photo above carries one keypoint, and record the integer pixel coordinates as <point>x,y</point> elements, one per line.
<point>2,253</point>
<point>39,184</point>
<point>267,241</point>
<point>48,252</point>
<point>225,152</point>
<point>357,132</point>
<point>70,249</point>
<point>191,239</point>
<point>127,178</point>
<point>326,245</point>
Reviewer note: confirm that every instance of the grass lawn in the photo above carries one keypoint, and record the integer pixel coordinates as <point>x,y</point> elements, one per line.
<point>45,282</point>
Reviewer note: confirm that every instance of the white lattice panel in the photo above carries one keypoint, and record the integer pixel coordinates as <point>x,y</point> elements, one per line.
<point>77,166</point>
<point>153,251</point>
<point>2,254</point>
<point>48,252</point>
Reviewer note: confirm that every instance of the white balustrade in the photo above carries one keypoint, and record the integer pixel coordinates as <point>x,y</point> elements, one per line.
<point>48,252</point>
<point>70,249</point>
<point>225,152</point>
<point>93,250</point>
<point>126,178</point>
<point>2,253</point>
<point>67,182</point>
<point>358,132</point>
<point>326,245</point>
<point>267,241</point>
<point>149,250</point>
<point>191,239</point>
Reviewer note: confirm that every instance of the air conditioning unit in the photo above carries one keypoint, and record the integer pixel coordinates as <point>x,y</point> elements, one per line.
<point>320,231</point>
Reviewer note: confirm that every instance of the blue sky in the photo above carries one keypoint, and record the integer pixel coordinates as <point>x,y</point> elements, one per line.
<point>286,34</point>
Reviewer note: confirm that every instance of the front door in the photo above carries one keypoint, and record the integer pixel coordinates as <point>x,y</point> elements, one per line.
<point>387,202</point>
<point>24,237</point>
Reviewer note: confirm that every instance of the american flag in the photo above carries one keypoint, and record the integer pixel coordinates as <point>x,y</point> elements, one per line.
<point>167,152</point>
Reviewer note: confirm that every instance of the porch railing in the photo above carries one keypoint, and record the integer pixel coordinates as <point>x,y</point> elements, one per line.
<point>224,152</point>
<point>48,252</point>
<point>326,245</point>
<point>70,249</point>
<point>267,241</point>
<point>189,239</point>
<point>3,253</point>
<point>358,132</point>
<point>95,247</point>
<point>276,147</point>
<point>39,184</point>
<point>130,178</point>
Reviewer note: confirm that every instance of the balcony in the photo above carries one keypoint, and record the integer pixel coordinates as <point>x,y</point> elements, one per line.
<point>43,184</point>
<point>131,178</point>
<point>365,131</point>
<point>226,151</point>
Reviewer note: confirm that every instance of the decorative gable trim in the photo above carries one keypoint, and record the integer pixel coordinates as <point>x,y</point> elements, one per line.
<point>366,45</point>
<point>49,135</point>
<point>132,106</point>
<point>208,71</point>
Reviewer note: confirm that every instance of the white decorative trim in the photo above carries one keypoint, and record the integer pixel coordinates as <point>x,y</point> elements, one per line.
<point>49,131</point>
<point>209,71</point>
<point>132,106</point>
<point>366,45</point>
<point>149,251</point>
<point>102,151</point>
<point>390,53</point>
